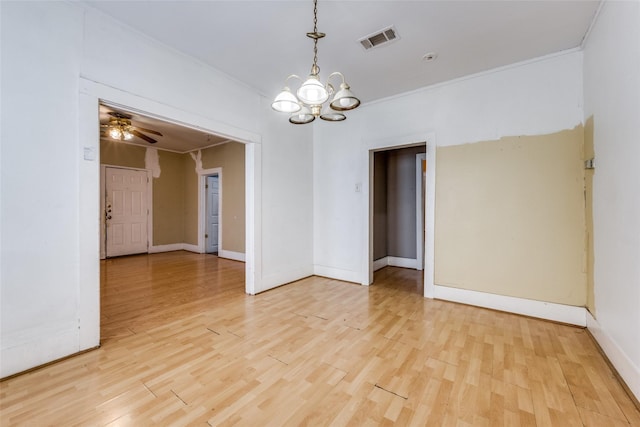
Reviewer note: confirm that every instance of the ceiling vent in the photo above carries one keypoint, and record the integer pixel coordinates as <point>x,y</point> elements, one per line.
<point>379,38</point>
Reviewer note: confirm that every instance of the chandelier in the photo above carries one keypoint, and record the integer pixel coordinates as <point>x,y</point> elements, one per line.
<point>312,94</point>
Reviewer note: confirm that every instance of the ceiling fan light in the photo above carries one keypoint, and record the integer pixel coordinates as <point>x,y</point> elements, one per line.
<point>286,102</point>
<point>128,136</point>
<point>312,92</point>
<point>344,99</point>
<point>302,117</point>
<point>115,133</point>
<point>331,115</point>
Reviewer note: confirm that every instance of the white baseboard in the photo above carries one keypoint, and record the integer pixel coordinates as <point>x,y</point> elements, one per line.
<point>36,346</point>
<point>380,263</point>
<point>544,310</point>
<point>629,372</point>
<point>283,277</point>
<point>337,273</point>
<point>174,247</point>
<point>394,262</point>
<point>191,248</point>
<point>166,248</point>
<point>236,256</point>
<point>402,262</point>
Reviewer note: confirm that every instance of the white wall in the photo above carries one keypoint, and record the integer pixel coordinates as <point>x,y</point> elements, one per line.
<point>612,99</point>
<point>337,207</point>
<point>41,47</point>
<point>57,60</point>
<point>120,57</point>
<point>287,200</point>
<point>537,97</point>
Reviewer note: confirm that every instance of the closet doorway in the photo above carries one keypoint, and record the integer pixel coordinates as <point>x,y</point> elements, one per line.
<point>399,207</point>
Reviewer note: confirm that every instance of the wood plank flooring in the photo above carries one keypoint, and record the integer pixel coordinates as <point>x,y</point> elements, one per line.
<point>183,345</point>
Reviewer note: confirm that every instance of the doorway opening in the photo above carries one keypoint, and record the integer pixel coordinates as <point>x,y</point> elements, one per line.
<point>92,95</point>
<point>424,207</point>
<point>155,199</point>
<point>398,210</point>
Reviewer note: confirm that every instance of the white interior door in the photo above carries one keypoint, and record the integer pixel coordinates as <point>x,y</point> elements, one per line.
<point>213,213</point>
<point>126,211</point>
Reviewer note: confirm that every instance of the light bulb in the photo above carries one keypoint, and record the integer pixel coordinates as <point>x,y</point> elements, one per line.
<point>127,135</point>
<point>312,92</point>
<point>115,133</point>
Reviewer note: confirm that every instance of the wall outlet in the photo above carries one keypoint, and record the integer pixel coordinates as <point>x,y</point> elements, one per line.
<point>358,187</point>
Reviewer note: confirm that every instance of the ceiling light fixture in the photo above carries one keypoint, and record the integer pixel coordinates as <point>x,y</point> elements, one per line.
<point>312,94</point>
<point>120,129</point>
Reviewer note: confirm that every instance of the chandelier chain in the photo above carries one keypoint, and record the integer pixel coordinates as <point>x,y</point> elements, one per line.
<point>315,31</point>
<point>315,16</point>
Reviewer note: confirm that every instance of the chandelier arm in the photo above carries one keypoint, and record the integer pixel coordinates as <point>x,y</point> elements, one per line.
<point>335,73</point>
<point>291,77</point>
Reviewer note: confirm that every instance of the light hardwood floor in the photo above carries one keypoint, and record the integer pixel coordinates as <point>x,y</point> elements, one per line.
<point>183,345</point>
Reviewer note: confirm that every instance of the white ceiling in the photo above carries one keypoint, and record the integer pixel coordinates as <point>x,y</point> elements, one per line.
<point>260,43</point>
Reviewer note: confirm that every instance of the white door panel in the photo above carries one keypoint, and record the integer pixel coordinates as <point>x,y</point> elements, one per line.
<point>126,211</point>
<point>212,214</point>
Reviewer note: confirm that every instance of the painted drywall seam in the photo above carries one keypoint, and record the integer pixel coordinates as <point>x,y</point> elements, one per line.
<point>152,161</point>
<point>197,158</point>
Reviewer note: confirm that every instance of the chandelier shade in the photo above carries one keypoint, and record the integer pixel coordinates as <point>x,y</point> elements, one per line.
<point>286,102</point>
<point>307,103</point>
<point>344,99</point>
<point>312,92</point>
<point>329,114</point>
<point>302,117</point>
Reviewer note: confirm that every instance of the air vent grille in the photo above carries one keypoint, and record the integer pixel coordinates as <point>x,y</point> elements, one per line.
<point>379,38</point>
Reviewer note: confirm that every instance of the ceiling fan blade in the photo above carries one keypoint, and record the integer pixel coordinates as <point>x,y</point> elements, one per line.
<point>143,136</point>
<point>155,132</point>
<point>119,115</point>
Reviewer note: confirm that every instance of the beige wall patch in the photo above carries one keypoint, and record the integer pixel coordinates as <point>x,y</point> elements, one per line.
<point>510,217</point>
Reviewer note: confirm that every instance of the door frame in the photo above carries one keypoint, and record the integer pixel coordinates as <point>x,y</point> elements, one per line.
<point>420,212</point>
<point>428,138</point>
<point>90,95</point>
<point>103,197</point>
<point>202,207</point>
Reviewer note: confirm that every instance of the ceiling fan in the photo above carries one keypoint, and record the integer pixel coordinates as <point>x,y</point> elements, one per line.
<point>120,128</point>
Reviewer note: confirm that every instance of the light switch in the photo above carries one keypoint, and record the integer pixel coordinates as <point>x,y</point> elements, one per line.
<point>89,153</point>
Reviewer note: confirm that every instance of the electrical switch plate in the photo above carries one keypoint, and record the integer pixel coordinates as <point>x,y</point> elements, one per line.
<point>89,153</point>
